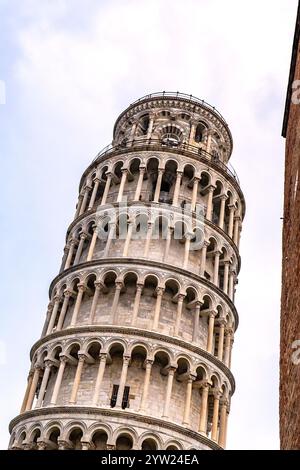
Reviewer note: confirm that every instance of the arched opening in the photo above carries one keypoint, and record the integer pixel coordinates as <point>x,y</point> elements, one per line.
<point>53,439</point>
<point>34,437</point>
<point>99,440</point>
<point>171,135</point>
<point>149,444</point>
<point>75,438</point>
<point>187,181</point>
<point>115,365</point>
<point>167,184</point>
<point>200,132</point>
<point>143,125</point>
<point>124,442</point>
<point>151,175</point>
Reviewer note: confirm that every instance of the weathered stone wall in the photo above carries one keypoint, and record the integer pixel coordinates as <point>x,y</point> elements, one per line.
<point>290,300</point>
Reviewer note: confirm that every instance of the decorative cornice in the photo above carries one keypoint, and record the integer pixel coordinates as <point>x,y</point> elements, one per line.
<point>137,332</point>
<point>78,410</point>
<point>147,262</point>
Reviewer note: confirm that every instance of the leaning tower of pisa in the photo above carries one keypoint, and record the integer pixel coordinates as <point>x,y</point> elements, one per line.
<point>135,352</point>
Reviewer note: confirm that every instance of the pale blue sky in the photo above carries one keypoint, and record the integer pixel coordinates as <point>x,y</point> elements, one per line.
<point>69,68</point>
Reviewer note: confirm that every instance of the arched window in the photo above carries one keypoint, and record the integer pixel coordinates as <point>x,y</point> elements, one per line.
<point>171,135</point>
<point>144,124</point>
<point>200,129</point>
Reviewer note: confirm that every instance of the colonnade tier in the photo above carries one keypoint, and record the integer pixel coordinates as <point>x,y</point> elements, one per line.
<point>79,428</point>
<point>190,389</point>
<point>161,178</point>
<point>145,297</point>
<point>161,235</point>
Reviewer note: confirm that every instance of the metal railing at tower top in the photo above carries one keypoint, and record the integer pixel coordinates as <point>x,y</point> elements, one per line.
<point>177,94</point>
<point>155,144</point>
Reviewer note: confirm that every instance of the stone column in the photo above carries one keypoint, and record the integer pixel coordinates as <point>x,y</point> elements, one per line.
<point>239,234</point>
<point>126,360</point>
<point>150,127</point>
<point>132,132</point>
<point>203,409</point>
<point>98,286</point>
<point>231,285</point>
<point>85,198</point>
<point>139,288</point>
<point>114,315</point>
<point>61,318</point>
<point>159,292</point>
<point>171,373</point>
<point>148,240</point>
<point>223,423</point>
<point>210,203</point>
<point>85,445</point>
<point>203,258</point>
<point>177,188</point>
<point>196,322</point>
<point>188,399</point>
<point>92,244</point>
<point>48,316</point>
<point>81,289</point>
<point>80,198</point>
<point>80,364</point>
<point>215,421</point>
<point>168,242</point>
<point>101,369</point>
<point>208,143</point>
<point>111,234</point>
<point>62,365</point>
<point>106,189</point>
<point>227,348</point>
<point>178,314</point>
<point>128,238</point>
<point>93,196</point>
<point>70,254</point>
<point>223,198</point>
<point>221,339</point>
<point>143,404</point>
<point>231,217</point>
<point>33,387</point>
<point>230,350</point>
<point>192,133</point>
<point>57,300</point>
<point>44,383</point>
<point>226,275</point>
<point>139,184</point>
<point>195,193</point>
<point>186,250</point>
<point>122,185</point>
<point>80,248</point>
<point>25,399</point>
<point>236,230</point>
<point>158,185</point>
<point>210,335</point>
<point>216,268</point>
